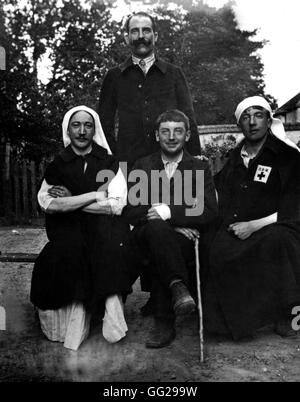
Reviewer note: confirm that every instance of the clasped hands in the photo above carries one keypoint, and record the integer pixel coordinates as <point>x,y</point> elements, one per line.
<point>59,192</point>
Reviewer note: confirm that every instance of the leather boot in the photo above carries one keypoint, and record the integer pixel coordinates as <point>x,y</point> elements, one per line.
<point>183,303</point>
<point>162,334</point>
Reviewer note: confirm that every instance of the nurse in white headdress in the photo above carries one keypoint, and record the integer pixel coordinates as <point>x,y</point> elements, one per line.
<point>68,264</point>
<point>255,255</point>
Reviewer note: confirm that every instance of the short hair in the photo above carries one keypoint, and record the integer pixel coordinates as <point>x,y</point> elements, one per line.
<point>141,14</point>
<point>173,115</point>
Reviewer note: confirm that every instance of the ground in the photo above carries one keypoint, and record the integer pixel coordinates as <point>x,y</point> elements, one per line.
<point>26,355</point>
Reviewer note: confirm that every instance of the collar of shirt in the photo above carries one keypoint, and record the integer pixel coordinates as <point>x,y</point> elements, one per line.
<point>149,61</point>
<point>246,157</point>
<point>170,167</point>
<point>159,63</point>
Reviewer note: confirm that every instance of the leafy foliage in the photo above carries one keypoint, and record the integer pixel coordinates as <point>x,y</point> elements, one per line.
<point>83,42</point>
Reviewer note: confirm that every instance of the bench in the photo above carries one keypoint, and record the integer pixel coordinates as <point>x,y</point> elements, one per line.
<point>18,257</point>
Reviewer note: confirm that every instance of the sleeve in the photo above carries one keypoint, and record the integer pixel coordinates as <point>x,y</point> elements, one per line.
<point>289,205</point>
<point>44,199</point>
<point>135,214</point>
<point>163,211</point>
<point>107,107</point>
<point>179,216</point>
<point>184,102</point>
<point>117,193</point>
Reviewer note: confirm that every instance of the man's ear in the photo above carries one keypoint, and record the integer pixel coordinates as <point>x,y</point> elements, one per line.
<point>156,136</point>
<point>269,122</point>
<point>187,135</point>
<point>126,38</point>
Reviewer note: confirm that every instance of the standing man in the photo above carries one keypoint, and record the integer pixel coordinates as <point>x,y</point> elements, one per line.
<point>140,90</point>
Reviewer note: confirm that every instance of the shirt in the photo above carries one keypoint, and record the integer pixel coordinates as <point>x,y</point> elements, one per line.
<point>170,167</point>
<point>149,61</point>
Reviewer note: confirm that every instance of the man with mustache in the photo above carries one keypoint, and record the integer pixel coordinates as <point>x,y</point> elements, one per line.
<point>140,90</point>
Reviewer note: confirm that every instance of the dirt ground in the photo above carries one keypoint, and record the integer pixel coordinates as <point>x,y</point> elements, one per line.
<point>26,355</point>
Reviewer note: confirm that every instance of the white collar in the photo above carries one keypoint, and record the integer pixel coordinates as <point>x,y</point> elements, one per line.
<point>177,161</point>
<point>148,60</point>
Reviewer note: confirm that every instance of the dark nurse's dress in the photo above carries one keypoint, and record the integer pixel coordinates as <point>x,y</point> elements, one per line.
<point>256,281</point>
<point>84,258</point>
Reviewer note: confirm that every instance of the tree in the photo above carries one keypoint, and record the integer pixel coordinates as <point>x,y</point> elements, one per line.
<point>77,36</point>
<point>220,61</point>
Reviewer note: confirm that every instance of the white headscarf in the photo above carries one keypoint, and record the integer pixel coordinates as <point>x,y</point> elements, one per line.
<point>99,136</point>
<point>277,126</point>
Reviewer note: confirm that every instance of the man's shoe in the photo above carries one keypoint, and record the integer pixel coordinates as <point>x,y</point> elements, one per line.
<point>148,308</point>
<point>162,334</point>
<point>284,329</point>
<point>183,303</point>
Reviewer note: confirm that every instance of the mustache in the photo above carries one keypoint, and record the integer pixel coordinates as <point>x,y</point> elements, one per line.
<point>141,41</point>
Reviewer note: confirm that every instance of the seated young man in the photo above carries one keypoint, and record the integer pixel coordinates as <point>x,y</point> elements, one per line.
<point>255,255</point>
<point>166,221</point>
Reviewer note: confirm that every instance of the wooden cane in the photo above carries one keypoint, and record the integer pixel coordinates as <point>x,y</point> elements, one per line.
<point>200,311</point>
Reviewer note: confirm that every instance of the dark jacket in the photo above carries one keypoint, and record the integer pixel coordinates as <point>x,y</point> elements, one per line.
<point>241,198</point>
<point>179,217</point>
<point>139,100</point>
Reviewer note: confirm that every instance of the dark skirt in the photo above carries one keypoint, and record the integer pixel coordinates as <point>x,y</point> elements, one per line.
<point>83,262</point>
<point>252,282</point>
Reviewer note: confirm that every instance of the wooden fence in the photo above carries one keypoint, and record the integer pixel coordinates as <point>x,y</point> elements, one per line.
<point>20,181</point>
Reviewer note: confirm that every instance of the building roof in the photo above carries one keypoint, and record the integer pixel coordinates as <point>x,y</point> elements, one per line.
<point>292,104</point>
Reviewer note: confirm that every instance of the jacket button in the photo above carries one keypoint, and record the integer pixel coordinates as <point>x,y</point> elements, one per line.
<point>235,215</point>
<point>140,86</point>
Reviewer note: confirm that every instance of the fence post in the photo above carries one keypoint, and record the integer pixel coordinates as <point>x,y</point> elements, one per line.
<point>7,190</point>
<point>33,190</point>
<point>25,190</point>
<point>16,170</point>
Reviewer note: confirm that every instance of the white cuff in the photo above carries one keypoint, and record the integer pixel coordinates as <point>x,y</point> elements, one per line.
<point>163,211</point>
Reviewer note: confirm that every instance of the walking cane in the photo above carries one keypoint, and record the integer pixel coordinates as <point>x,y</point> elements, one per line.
<point>200,311</point>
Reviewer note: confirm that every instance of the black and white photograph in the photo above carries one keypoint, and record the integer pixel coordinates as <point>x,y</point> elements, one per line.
<point>149,193</point>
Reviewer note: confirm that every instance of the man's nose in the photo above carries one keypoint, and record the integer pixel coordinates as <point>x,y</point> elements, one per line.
<point>82,129</point>
<point>171,135</point>
<point>252,120</point>
<point>141,33</point>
